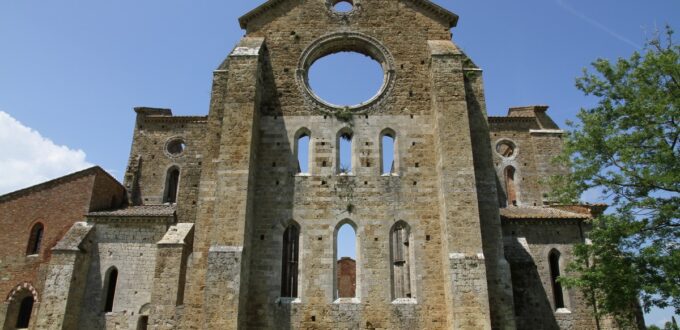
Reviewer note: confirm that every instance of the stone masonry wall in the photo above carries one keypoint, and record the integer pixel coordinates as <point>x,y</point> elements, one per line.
<point>528,245</point>
<point>130,247</point>
<point>150,160</point>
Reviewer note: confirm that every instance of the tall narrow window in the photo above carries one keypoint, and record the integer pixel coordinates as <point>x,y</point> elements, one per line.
<point>171,185</point>
<point>511,186</point>
<point>558,294</point>
<point>345,152</point>
<point>388,152</point>
<point>302,151</point>
<point>400,244</point>
<point>35,240</point>
<point>111,281</point>
<point>346,268</point>
<point>25,310</point>
<point>289,273</point>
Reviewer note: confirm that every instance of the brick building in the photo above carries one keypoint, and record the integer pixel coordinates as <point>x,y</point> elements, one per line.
<point>33,220</point>
<point>222,230</point>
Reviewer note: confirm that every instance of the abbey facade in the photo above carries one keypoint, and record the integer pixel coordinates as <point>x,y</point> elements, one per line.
<point>224,221</point>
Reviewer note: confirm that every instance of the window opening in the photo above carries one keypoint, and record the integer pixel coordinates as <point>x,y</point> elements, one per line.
<point>346,269</point>
<point>505,149</point>
<point>143,322</point>
<point>401,261</point>
<point>35,240</point>
<point>343,6</point>
<point>176,147</point>
<point>558,294</point>
<point>290,262</point>
<point>171,186</point>
<point>388,153</point>
<point>511,186</point>
<point>303,153</point>
<point>333,78</point>
<point>110,289</point>
<point>345,153</point>
<point>25,310</point>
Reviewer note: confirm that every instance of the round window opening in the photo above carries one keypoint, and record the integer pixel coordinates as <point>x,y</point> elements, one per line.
<point>176,147</point>
<point>506,149</point>
<point>346,78</point>
<point>343,6</point>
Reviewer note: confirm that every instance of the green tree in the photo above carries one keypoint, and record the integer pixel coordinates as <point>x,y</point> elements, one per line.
<point>628,147</point>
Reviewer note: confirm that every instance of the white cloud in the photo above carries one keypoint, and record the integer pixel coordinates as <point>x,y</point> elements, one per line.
<point>28,158</point>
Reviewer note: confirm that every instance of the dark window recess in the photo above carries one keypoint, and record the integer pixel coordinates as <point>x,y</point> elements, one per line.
<point>25,310</point>
<point>171,185</point>
<point>289,272</point>
<point>554,275</point>
<point>111,290</point>
<point>35,240</point>
<point>143,323</point>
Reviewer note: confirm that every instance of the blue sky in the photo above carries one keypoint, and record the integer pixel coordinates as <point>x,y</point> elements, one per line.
<point>71,71</point>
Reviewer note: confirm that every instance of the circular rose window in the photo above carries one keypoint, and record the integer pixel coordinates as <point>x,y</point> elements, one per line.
<point>506,149</point>
<point>175,147</point>
<point>356,44</point>
<point>346,78</point>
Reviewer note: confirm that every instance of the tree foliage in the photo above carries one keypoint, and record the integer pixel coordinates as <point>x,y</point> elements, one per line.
<point>628,147</point>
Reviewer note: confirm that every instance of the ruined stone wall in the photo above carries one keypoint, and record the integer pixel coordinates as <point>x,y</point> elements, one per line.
<point>321,201</point>
<point>130,247</point>
<point>528,246</point>
<point>535,149</point>
<point>151,158</point>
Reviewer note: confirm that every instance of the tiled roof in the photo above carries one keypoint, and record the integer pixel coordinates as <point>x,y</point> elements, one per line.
<point>138,211</point>
<point>537,212</point>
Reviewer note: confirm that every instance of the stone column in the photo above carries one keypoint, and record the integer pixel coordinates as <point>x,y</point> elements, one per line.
<point>170,275</point>
<point>65,280</point>
<point>465,269</point>
<point>497,267</point>
<point>228,232</point>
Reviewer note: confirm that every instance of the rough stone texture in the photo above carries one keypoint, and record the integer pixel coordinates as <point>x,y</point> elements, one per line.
<point>212,257</point>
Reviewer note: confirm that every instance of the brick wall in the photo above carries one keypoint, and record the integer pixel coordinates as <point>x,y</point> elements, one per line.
<point>56,204</point>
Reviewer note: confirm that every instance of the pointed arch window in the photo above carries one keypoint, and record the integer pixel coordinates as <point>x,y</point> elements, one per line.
<point>511,186</point>
<point>401,247</point>
<point>302,150</point>
<point>35,239</point>
<point>558,293</point>
<point>388,152</point>
<point>345,151</point>
<point>346,256</point>
<point>171,185</point>
<point>111,281</point>
<point>290,262</point>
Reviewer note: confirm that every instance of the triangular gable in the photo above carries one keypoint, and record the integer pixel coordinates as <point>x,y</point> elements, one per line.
<point>430,7</point>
